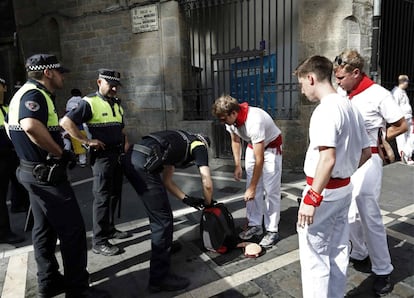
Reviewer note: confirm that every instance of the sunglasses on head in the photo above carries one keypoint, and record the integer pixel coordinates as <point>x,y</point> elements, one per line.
<point>338,60</point>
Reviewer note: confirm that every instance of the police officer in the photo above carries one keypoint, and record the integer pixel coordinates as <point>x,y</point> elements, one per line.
<point>34,130</point>
<point>156,154</point>
<point>103,115</point>
<point>8,165</point>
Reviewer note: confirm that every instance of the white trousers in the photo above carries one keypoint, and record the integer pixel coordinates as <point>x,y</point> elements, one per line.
<point>405,140</point>
<point>324,246</point>
<point>367,232</point>
<point>267,200</point>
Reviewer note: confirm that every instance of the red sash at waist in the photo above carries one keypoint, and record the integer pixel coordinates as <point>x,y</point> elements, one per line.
<point>276,143</point>
<point>333,182</point>
<point>374,150</point>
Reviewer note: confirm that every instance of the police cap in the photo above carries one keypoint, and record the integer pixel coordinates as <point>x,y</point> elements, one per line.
<point>41,62</point>
<point>2,81</point>
<point>113,77</point>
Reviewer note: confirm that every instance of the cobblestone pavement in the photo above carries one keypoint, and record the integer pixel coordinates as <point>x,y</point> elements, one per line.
<point>274,274</point>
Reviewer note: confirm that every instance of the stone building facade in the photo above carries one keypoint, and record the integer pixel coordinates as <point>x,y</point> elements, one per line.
<point>88,35</point>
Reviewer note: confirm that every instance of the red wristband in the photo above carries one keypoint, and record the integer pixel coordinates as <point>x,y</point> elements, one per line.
<point>312,198</point>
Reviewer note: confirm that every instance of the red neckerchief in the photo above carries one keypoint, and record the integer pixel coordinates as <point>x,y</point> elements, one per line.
<point>242,114</point>
<point>364,84</point>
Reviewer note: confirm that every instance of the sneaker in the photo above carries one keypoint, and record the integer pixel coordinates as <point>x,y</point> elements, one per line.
<point>383,285</point>
<point>270,239</point>
<point>116,234</point>
<point>361,265</point>
<point>106,249</point>
<point>54,288</point>
<point>171,282</point>
<point>250,232</point>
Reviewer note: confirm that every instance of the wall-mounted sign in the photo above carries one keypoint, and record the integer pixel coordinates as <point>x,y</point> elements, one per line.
<point>144,18</point>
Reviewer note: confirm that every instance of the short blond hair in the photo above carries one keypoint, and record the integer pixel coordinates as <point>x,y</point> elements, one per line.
<point>225,105</point>
<point>403,79</point>
<point>349,60</point>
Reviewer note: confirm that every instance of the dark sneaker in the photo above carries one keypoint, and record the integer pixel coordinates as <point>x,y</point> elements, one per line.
<point>90,292</point>
<point>106,249</point>
<point>361,265</point>
<point>116,234</point>
<point>56,287</point>
<point>171,282</point>
<point>11,238</point>
<point>250,232</point>
<point>270,239</point>
<point>383,285</point>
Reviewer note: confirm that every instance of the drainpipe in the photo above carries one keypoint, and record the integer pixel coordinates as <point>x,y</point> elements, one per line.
<point>376,22</point>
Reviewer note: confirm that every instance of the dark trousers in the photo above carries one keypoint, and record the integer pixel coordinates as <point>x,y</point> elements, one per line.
<point>153,194</point>
<point>6,170</point>
<point>18,195</point>
<point>107,191</point>
<point>8,165</point>
<point>56,214</point>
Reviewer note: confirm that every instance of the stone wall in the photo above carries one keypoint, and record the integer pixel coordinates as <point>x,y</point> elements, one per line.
<point>326,28</point>
<point>88,35</point>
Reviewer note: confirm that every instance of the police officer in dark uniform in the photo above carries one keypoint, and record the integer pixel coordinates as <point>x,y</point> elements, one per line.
<point>8,165</point>
<point>103,114</point>
<point>156,154</point>
<point>35,132</point>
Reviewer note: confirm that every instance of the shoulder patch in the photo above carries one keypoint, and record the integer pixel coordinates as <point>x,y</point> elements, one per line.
<point>32,105</point>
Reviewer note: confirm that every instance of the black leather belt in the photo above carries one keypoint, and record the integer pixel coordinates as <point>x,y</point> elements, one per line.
<point>28,166</point>
<point>142,149</point>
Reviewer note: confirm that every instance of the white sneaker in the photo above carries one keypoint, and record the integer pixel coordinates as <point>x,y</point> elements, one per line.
<point>250,232</point>
<point>270,239</point>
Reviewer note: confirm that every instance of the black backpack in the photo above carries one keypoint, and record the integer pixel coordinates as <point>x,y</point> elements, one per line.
<point>217,229</point>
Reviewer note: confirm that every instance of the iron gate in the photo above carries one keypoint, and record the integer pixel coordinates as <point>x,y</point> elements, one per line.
<point>245,48</point>
<point>396,43</point>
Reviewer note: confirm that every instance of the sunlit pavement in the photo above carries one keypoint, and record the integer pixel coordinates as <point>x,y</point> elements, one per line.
<point>274,274</point>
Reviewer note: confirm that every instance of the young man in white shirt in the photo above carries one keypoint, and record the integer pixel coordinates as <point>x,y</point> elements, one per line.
<point>404,140</point>
<point>338,145</point>
<point>377,108</point>
<point>263,163</point>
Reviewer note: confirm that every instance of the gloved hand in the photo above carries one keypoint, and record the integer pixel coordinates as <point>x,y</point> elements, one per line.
<point>197,203</point>
<point>68,158</point>
<point>213,202</point>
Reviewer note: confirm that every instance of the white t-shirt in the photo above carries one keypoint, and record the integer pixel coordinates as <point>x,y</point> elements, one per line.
<point>259,126</point>
<point>336,123</point>
<point>401,98</point>
<point>377,107</point>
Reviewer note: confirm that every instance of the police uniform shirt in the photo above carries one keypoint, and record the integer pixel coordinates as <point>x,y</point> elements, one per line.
<point>109,132</point>
<point>33,105</point>
<point>336,123</point>
<point>196,150</point>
